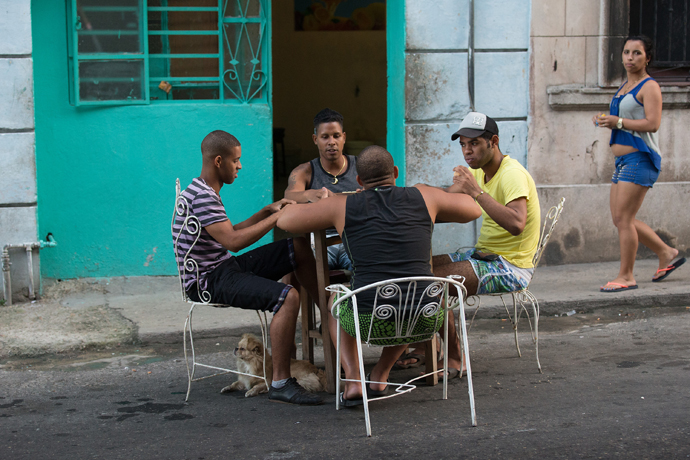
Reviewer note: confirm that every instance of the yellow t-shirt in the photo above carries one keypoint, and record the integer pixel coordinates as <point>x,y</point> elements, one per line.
<point>511,181</point>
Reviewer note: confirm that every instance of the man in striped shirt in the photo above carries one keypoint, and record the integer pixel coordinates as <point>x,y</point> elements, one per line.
<point>249,280</point>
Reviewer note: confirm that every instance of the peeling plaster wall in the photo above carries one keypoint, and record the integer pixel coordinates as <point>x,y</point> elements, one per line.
<point>437,94</point>
<point>17,142</point>
<point>572,79</point>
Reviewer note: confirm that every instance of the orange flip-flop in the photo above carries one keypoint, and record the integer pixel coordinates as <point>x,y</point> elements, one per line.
<point>669,269</point>
<point>621,287</point>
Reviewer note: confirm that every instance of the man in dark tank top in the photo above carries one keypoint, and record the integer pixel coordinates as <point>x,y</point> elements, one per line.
<point>387,231</point>
<point>330,173</point>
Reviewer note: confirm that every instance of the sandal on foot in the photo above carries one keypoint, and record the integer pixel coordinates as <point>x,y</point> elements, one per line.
<point>669,269</point>
<point>621,287</point>
<point>371,393</point>
<point>420,357</point>
<point>452,373</point>
<point>350,402</point>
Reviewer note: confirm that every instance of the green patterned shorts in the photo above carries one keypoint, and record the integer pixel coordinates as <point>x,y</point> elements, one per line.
<point>386,328</point>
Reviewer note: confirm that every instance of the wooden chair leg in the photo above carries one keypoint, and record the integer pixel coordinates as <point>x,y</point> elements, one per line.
<point>307,312</point>
<point>431,361</point>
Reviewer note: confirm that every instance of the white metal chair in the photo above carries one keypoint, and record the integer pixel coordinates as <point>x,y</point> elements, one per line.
<point>395,302</point>
<point>189,224</point>
<point>524,297</point>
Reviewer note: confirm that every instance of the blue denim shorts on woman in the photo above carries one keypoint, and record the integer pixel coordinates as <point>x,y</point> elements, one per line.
<point>635,167</point>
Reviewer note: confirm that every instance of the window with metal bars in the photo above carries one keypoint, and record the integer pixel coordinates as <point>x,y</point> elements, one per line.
<point>151,51</point>
<point>666,23</point>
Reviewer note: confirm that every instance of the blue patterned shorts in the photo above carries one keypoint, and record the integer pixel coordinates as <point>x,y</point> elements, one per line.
<point>496,276</point>
<point>635,167</point>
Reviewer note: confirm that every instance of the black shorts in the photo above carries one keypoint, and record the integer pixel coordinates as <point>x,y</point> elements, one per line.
<point>250,280</point>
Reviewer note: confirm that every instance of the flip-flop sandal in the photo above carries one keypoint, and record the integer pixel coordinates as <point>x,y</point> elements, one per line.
<point>350,402</point>
<point>371,393</point>
<point>621,287</point>
<point>452,373</point>
<point>669,269</point>
<point>421,359</point>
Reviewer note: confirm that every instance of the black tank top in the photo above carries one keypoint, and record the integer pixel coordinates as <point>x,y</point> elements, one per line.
<point>387,235</point>
<point>347,181</point>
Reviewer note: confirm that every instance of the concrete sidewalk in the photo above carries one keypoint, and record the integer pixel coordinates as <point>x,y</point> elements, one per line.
<point>95,311</point>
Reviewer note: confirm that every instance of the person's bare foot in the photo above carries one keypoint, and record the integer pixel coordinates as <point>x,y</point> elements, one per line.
<point>617,284</point>
<point>416,355</point>
<point>454,363</point>
<point>352,391</point>
<point>665,261</point>
<point>379,378</point>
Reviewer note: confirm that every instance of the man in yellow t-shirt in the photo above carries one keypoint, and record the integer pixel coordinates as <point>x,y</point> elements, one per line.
<point>501,261</point>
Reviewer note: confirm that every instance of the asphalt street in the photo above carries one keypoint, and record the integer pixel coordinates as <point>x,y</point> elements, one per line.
<point>615,385</point>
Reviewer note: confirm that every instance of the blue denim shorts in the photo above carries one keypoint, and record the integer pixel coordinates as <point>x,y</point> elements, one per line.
<point>635,167</point>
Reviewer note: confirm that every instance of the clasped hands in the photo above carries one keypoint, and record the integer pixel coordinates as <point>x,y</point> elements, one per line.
<point>464,182</point>
<point>279,205</point>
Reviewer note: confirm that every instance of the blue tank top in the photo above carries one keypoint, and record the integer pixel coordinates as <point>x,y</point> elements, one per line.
<point>627,106</point>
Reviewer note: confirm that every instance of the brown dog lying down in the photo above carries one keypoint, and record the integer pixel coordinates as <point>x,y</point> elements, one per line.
<point>250,359</point>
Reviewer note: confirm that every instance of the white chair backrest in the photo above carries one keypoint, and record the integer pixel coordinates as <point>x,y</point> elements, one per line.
<point>550,222</point>
<point>398,300</point>
<point>191,226</point>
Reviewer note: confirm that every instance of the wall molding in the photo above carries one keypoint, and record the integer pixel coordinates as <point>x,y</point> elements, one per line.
<point>580,97</point>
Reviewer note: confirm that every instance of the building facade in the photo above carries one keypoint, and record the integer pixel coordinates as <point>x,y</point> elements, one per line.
<point>105,103</point>
<point>18,195</point>
<point>575,70</point>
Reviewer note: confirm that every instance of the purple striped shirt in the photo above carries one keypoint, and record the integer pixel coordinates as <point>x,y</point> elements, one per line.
<point>205,204</point>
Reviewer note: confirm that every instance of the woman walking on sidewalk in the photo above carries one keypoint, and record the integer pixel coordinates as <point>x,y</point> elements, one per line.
<point>635,116</point>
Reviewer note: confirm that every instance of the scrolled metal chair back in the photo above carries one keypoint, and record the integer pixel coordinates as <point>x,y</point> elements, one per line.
<point>550,222</point>
<point>398,301</point>
<point>189,225</point>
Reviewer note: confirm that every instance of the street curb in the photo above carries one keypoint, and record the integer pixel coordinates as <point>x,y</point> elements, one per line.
<point>546,308</point>
<point>557,307</point>
<point>221,332</point>
<point>587,306</point>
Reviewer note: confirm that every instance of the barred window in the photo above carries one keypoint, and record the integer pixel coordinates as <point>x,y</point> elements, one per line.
<point>153,51</point>
<point>666,23</point>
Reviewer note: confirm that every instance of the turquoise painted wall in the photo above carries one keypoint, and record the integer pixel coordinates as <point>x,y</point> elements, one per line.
<point>106,175</point>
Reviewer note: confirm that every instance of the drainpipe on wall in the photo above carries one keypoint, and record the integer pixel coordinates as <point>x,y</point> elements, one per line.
<point>470,57</point>
<point>470,81</point>
<point>29,247</point>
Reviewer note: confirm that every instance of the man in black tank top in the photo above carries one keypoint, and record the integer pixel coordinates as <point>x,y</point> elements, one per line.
<point>379,257</point>
<point>330,173</point>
